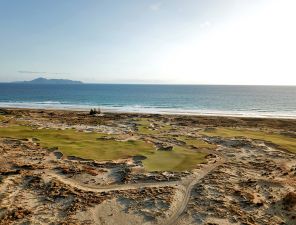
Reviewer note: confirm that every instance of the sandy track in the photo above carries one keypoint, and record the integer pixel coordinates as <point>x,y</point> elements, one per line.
<point>117,187</point>
<point>188,188</point>
<point>185,186</point>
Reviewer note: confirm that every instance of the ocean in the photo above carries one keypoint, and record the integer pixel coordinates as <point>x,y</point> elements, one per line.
<point>252,101</point>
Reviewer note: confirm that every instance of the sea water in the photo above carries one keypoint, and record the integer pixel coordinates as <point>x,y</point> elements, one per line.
<point>258,101</point>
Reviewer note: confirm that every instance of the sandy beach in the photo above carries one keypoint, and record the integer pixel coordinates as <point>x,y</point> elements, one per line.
<point>69,167</point>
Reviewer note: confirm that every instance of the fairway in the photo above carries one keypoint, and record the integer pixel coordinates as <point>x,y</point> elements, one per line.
<point>282,141</point>
<point>180,159</point>
<point>103,147</point>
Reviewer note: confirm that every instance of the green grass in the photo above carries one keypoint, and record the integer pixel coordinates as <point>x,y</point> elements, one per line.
<point>196,142</point>
<point>92,146</point>
<point>165,128</point>
<point>179,159</point>
<point>282,141</point>
<point>80,144</point>
<point>143,127</point>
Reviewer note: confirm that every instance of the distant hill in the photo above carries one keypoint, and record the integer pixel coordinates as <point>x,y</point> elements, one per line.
<point>42,80</point>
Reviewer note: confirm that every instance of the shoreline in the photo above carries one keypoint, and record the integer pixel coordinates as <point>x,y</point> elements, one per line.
<point>145,111</point>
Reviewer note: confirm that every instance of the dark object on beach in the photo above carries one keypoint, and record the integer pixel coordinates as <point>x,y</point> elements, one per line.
<point>4,112</point>
<point>95,111</point>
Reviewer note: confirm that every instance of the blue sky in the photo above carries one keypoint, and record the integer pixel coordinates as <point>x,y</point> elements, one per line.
<point>146,41</point>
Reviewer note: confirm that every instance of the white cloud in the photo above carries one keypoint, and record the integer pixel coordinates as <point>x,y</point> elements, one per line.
<point>155,7</point>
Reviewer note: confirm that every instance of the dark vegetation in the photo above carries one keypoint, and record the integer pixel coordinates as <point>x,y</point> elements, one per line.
<point>95,111</point>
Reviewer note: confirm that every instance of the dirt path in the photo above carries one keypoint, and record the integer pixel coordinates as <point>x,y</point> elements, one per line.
<point>185,186</point>
<point>188,188</point>
<point>117,187</point>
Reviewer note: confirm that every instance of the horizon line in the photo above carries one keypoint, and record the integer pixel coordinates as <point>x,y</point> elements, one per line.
<point>173,84</point>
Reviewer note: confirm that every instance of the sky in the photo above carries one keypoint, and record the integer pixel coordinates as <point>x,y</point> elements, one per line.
<point>145,41</point>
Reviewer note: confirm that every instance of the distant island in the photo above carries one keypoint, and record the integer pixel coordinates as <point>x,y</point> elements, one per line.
<point>42,80</point>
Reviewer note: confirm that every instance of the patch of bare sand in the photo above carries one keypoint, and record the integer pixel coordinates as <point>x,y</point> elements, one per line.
<point>110,212</point>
